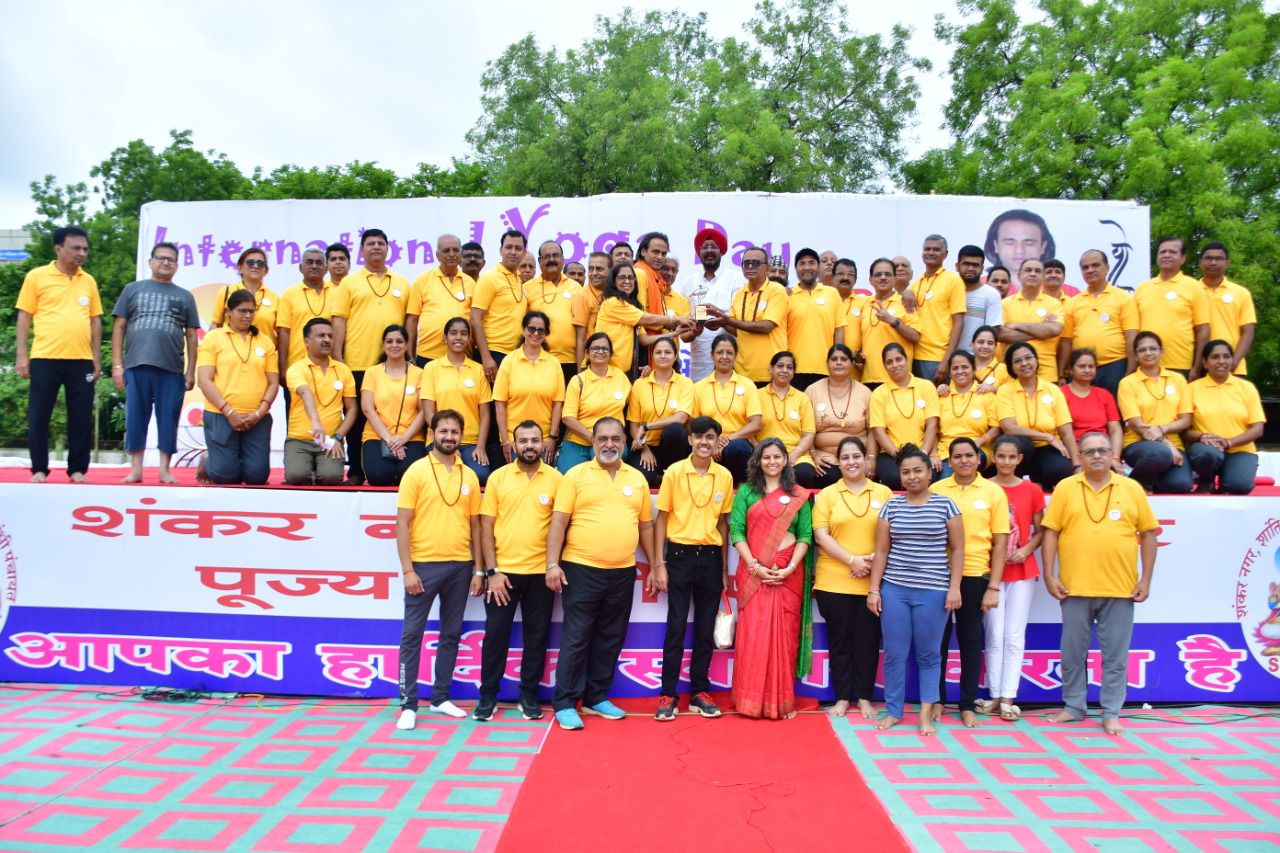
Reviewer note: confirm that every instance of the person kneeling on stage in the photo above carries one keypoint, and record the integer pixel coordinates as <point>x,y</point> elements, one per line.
<point>322,412</point>
<point>693,522</point>
<point>237,371</point>
<point>514,518</point>
<point>438,493</point>
<point>602,511</point>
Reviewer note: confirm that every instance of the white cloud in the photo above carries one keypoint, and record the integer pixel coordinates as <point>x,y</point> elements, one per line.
<point>314,84</point>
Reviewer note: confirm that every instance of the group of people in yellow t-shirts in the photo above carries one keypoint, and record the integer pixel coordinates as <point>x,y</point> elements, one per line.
<point>1160,372</point>
<point>565,394</point>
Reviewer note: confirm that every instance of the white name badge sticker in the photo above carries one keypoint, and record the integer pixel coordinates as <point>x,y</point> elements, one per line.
<point>1169,389</point>
<point>820,301</point>
<point>459,295</point>
<point>1171,295</point>
<point>739,390</point>
<point>1106,318</point>
<point>920,404</point>
<point>396,293</point>
<point>876,504</point>
<point>1047,399</point>
<point>468,383</point>
<point>822,407</point>
<point>409,389</point>
<point>1226,297</point>
<point>764,304</point>
<point>784,500</point>
<point>465,490</point>
<point>1040,312</point>
<point>857,312</point>
<point>617,395</point>
<point>83,300</point>
<point>544,499</point>
<point>260,352</point>
<point>569,295</point>
<point>979,504</point>
<point>626,490</point>
<point>719,496</point>
<point>928,296</point>
<point>337,384</point>
<point>976,413</point>
<point>266,301</point>
<point>795,416</point>
<point>1114,515</point>
<point>673,404</point>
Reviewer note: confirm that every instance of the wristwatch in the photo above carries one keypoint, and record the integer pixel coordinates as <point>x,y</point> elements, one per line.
<point>489,572</point>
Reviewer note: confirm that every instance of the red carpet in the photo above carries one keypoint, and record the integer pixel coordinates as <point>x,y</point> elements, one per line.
<point>696,784</point>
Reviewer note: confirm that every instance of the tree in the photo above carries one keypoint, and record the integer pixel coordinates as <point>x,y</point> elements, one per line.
<point>1173,103</point>
<point>652,104</point>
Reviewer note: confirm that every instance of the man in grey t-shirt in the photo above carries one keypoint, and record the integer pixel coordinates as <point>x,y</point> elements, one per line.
<point>159,318</point>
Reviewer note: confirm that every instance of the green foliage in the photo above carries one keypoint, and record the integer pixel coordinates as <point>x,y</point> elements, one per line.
<point>651,103</point>
<point>1175,103</point>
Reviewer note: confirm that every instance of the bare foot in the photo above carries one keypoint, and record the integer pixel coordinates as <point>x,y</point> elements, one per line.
<point>887,722</point>
<point>78,478</point>
<point>134,477</point>
<point>868,712</point>
<point>1111,725</point>
<point>839,709</point>
<point>1063,716</point>
<point>789,716</point>
<point>970,719</point>
<point>202,476</point>
<point>927,728</point>
<point>935,713</point>
<point>168,479</point>
<point>39,477</point>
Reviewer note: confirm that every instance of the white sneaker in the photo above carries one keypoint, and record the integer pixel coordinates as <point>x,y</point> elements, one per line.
<point>408,720</point>
<point>448,709</point>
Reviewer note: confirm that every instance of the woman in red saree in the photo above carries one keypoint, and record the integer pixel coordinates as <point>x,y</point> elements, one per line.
<point>772,527</point>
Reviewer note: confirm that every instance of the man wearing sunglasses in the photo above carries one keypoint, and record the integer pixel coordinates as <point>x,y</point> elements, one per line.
<point>757,316</point>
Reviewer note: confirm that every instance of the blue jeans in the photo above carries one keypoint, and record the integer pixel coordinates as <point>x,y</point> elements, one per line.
<point>467,453</point>
<point>907,616</point>
<point>237,457</point>
<point>926,370</point>
<point>147,387</point>
<point>1235,471</point>
<point>1152,464</point>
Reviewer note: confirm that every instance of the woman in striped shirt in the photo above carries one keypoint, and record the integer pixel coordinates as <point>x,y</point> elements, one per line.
<point>919,558</point>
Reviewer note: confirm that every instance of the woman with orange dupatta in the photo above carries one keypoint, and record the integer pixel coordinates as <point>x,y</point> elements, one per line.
<point>772,527</point>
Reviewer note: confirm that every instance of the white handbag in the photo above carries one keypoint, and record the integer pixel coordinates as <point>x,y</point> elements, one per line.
<point>725,624</point>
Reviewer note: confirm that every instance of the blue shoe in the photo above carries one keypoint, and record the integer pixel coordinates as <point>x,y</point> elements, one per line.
<point>605,709</point>
<point>568,719</point>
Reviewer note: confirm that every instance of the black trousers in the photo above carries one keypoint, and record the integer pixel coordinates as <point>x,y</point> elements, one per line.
<point>597,609</point>
<point>355,438</point>
<point>694,573</point>
<point>450,581</point>
<point>1044,465</point>
<point>672,446</point>
<point>530,594</point>
<point>801,381</point>
<point>853,644</point>
<point>47,376</point>
<point>380,471</point>
<point>969,636</point>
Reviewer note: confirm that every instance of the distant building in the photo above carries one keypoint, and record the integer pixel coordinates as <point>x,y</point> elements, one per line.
<point>13,245</point>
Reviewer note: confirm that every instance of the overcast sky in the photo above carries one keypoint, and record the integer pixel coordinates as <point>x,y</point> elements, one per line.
<point>313,84</point>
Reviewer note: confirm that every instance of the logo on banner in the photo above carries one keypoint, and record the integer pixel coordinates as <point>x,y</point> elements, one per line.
<point>1257,599</point>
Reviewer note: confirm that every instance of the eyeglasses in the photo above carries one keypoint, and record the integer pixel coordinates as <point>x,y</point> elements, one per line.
<point>604,350</point>
<point>165,259</point>
<point>535,330</point>
<point>1096,451</point>
<point>746,264</point>
<point>1143,350</point>
<point>256,263</point>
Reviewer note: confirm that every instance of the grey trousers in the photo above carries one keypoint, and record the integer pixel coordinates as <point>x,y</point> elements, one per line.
<point>451,582</point>
<point>305,463</point>
<point>1114,618</point>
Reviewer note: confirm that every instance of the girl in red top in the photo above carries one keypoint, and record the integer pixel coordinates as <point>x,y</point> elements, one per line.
<point>1006,625</point>
<point>1093,409</point>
